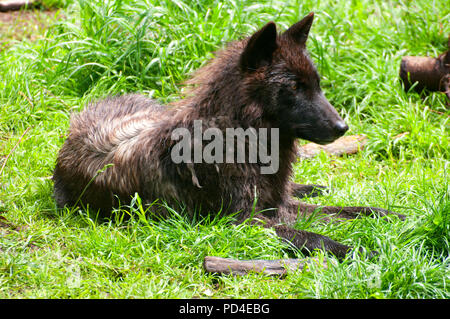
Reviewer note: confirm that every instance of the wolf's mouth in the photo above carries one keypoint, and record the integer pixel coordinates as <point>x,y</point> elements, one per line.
<point>324,142</point>
<point>315,138</point>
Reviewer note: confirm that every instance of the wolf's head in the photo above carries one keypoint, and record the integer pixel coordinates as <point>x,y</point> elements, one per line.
<point>280,75</point>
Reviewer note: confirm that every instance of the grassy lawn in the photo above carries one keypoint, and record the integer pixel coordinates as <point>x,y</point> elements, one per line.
<point>150,46</point>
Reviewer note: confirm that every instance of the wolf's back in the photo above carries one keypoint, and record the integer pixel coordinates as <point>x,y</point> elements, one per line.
<point>106,132</point>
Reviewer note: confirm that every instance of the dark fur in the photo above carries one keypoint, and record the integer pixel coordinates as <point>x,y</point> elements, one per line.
<point>263,81</point>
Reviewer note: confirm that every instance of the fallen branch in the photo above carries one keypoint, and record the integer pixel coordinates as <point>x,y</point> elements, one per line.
<point>344,145</point>
<point>277,267</point>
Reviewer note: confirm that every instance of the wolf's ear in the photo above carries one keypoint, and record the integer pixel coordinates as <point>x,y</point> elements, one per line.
<point>260,48</point>
<point>299,31</point>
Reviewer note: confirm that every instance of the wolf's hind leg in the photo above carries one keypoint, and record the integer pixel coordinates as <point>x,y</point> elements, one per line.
<point>301,191</point>
<point>61,193</point>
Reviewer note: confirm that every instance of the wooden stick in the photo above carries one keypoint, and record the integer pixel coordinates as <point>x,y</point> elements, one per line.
<point>242,267</point>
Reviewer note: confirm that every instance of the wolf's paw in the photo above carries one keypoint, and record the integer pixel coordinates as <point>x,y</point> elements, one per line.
<point>357,212</point>
<point>301,191</point>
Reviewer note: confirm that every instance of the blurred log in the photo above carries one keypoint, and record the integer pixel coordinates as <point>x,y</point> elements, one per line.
<point>242,267</point>
<point>345,145</point>
<point>430,73</point>
<point>11,5</point>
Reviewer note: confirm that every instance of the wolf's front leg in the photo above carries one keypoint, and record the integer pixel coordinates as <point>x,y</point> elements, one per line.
<point>300,191</point>
<point>282,220</point>
<point>288,213</point>
<point>307,241</point>
<point>347,212</point>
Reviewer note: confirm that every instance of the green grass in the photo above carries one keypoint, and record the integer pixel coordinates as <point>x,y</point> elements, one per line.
<point>151,47</point>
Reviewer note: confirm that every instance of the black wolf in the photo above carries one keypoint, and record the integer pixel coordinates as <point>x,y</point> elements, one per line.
<point>264,81</point>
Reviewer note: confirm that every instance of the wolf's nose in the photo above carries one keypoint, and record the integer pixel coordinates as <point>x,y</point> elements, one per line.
<point>340,127</point>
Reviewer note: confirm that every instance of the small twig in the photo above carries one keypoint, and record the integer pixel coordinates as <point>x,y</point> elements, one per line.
<point>437,112</point>
<point>59,99</point>
<point>15,146</point>
<point>27,98</point>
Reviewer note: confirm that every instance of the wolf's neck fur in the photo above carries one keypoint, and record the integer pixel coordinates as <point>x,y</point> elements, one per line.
<point>217,90</point>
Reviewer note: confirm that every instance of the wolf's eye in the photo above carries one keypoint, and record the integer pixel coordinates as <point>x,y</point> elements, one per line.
<point>298,85</point>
